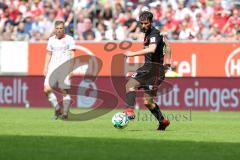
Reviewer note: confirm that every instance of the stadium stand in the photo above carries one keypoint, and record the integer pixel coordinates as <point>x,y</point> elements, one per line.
<point>32,20</point>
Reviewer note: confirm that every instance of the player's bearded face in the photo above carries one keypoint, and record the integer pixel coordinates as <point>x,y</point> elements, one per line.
<point>145,25</point>
<point>59,30</point>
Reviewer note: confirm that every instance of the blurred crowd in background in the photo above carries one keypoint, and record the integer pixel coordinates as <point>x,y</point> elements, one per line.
<point>196,20</point>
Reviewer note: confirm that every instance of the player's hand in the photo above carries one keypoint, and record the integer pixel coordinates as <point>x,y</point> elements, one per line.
<point>167,67</point>
<point>129,53</point>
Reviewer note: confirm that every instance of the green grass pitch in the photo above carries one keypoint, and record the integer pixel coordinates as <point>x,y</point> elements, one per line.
<point>32,134</point>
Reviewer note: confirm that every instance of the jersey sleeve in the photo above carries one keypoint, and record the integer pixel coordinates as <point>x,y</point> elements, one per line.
<point>71,44</point>
<point>49,48</point>
<point>155,39</point>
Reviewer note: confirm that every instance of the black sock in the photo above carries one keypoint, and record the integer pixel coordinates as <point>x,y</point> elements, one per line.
<point>157,113</point>
<point>130,99</point>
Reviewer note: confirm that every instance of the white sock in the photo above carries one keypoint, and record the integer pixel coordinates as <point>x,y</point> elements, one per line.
<point>66,103</point>
<point>53,100</point>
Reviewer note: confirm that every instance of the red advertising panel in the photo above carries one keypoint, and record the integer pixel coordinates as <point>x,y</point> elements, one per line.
<point>211,94</point>
<point>22,91</point>
<point>207,59</point>
<point>191,59</point>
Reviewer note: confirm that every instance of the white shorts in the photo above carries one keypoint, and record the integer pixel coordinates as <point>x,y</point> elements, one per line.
<point>57,80</point>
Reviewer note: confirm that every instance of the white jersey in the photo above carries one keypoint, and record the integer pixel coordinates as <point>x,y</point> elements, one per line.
<point>60,50</point>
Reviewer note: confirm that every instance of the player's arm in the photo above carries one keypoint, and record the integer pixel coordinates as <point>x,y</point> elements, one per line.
<point>47,60</point>
<point>72,52</point>
<point>150,49</point>
<point>48,57</point>
<point>167,50</point>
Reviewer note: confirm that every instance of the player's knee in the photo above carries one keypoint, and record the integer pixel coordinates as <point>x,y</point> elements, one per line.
<point>148,102</point>
<point>129,87</point>
<point>47,90</point>
<point>67,97</point>
<point>67,100</point>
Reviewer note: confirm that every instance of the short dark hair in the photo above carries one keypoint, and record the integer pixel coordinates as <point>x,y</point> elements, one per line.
<point>146,15</point>
<point>58,22</point>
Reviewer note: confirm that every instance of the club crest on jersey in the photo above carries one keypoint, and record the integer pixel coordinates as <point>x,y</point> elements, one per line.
<point>152,40</point>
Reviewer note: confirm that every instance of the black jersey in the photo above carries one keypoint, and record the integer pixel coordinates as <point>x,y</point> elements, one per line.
<point>151,74</point>
<point>153,37</point>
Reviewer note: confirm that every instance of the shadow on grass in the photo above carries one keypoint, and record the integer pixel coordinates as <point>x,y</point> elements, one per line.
<point>48,147</point>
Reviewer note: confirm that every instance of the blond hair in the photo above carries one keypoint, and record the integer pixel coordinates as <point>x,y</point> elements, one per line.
<point>58,22</point>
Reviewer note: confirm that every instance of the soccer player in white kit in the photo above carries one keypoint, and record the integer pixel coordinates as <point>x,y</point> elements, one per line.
<point>60,49</point>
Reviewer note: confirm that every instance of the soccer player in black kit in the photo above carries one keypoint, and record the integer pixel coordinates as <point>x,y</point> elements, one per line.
<point>152,73</point>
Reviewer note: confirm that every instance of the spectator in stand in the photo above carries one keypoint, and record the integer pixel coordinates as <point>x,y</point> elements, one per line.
<point>68,18</point>
<point>115,32</point>
<point>181,12</point>
<point>137,35</point>
<point>37,8</point>
<point>129,7</point>
<point>185,32</point>
<point>200,31</point>
<point>22,33</point>
<point>219,16</point>
<point>107,13</point>
<point>130,23</point>
<point>80,26</point>
<point>38,25</point>
<point>58,10</point>
<point>28,22</point>
<point>89,33</point>
<point>47,8</point>
<point>237,36</point>
<point>202,17</point>
<point>206,12</point>
<point>90,8</point>
<point>100,32</point>
<point>37,36</point>
<point>194,10</point>
<point>19,19</point>
<point>140,6</point>
<point>215,33</point>
<point>8,33</point>
<point>8,19</point>
<point>156,9</point>
<point>13,12</point>
<point>49,24</point>
<point>232,22</point>
<point>170,26</point>
<point>118,10</point>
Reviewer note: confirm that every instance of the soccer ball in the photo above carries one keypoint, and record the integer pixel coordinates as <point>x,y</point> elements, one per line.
<point>120,120</point>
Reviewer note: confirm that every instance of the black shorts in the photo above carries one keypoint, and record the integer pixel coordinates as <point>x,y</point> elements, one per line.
<point>149,78</point>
